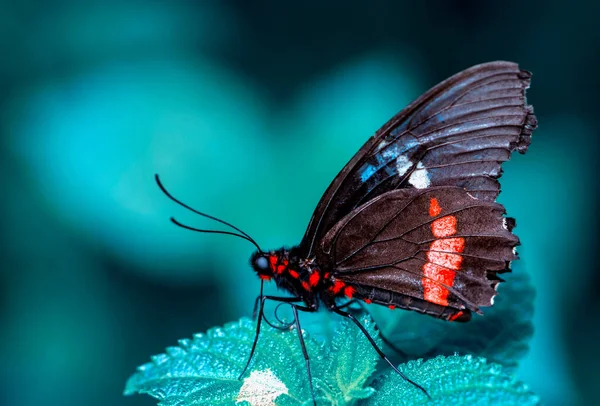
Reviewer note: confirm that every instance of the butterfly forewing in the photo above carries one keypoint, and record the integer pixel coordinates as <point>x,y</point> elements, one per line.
<point>456,134</point>
<point>438,245</point>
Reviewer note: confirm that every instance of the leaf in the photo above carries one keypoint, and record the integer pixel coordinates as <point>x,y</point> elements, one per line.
<point>261,388</point>
<point>204,370</point>
<point>454,380</point>
<point>350,362</point>
<point>501,335</point>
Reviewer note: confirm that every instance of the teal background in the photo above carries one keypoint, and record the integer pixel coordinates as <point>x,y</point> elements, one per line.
<point>248,110</point>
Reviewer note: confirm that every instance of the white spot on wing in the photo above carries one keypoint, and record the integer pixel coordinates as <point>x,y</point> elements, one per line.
<point>504,225</point>
<point>382,145</point>
<point>493,297</point>
<point>420,178</point>
<point>261,388</point>
<point>403,164</point>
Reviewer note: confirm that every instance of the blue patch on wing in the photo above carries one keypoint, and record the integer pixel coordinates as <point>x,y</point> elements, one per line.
<point>366,171</point>
<point>384,157</point>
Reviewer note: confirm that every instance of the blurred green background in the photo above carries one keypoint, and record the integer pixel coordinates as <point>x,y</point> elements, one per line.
<point>248,110</point>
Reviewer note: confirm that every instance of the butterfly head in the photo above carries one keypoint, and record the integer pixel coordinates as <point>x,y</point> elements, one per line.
<point>261,263</point>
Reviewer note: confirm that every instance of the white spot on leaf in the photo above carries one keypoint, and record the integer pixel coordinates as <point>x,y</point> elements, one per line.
<point>261,388</point>
<point>402,164</point>
<point>420,178</point>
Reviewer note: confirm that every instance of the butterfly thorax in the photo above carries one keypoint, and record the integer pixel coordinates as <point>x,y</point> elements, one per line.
<point>301,277</point>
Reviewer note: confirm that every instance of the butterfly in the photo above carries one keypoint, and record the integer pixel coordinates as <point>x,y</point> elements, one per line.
<point>411,221</point>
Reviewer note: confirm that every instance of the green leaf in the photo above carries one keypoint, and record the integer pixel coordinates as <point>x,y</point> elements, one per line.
<point>501,335</point>
<point>349,363</point>
<point>454,380</point>
<point>204,370</point>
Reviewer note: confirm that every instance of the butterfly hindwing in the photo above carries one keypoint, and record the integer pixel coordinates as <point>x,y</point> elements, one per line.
<point>426,250</point>
<point>456,134</point>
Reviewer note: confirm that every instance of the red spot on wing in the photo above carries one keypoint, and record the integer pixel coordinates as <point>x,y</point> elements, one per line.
<point>456,244</point>
<point>294,274</point>
<point>313,279</point>
<point>392,307</point>
<point>444,226</point>
<point>337,287</point>
<point>435,277</point>
<point>443,256</point>
<point>305,285</point>
<point>368,301</point>
<point>434,207</point>
<point>451,261</point>
<point>349,291</point>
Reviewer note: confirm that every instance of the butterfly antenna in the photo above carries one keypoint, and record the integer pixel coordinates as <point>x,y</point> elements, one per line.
<point>200,230</point>
<point>179,202</point>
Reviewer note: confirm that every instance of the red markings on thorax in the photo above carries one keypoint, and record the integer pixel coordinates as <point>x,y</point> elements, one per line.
<point>283,266</point>
<point>337,287</point>
<point>313,279</point>
<point>277,266</point>
<point>280,265</point>
<point>273,262</point>
<point>443,256</point>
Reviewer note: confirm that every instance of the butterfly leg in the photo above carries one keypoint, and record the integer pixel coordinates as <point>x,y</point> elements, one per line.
<point>387,342</point>
<point>283,326</point>
<point>258,299</point>
<point>261,311</point>
<point>376,347</point>
<point>383,337</point>
<point>255,308</point>
<point>295,309</point>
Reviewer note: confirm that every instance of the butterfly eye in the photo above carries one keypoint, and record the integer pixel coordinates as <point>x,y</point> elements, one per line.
<point>261,263</point>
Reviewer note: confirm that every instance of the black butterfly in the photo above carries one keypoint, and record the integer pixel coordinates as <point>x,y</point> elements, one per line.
<point>411,221</point>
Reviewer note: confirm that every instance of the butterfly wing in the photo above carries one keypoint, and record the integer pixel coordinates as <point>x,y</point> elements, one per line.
<point>434,250</point>
<point>456,134</point>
